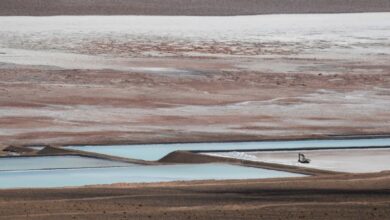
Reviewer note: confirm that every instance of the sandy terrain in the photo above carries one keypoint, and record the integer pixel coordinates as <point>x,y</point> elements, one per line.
<point>337,197</point>
<point>166,79</point>
<point>349,160</point>
<point>186,7</point>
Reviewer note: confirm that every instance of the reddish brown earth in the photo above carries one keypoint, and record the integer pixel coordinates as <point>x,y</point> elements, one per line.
<point>85,106</point>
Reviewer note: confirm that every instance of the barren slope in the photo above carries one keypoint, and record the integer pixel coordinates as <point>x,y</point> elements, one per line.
<point>187,7</point>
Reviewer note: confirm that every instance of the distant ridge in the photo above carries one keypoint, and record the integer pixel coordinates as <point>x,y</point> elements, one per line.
<point>186,7</point>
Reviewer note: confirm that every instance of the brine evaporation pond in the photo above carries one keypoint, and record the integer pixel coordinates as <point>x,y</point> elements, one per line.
<point>154,152</point>
<point>132,173</point>
<point>54,162</point>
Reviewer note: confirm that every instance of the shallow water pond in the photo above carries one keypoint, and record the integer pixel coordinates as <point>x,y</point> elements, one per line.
<point>157,151</point>
<point>54,162</point>
<point>133,174</point>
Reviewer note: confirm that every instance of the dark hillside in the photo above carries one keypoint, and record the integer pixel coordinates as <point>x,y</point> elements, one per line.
<point>187,7</point>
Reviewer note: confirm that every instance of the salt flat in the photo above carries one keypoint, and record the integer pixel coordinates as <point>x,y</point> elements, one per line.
<point>336,37</point>
<point>348,160</point>
<point>93,79</point>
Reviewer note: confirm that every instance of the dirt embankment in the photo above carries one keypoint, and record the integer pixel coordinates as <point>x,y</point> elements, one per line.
<point>188,157</point>
<point>364,196</point>
<point>187,7</point>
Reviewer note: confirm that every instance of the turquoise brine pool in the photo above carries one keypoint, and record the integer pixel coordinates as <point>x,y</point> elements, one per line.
<point>132,174</point>
<point>54,162</point>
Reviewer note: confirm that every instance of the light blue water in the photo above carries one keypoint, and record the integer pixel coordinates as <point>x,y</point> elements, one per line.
<point>54,162</point>
<point>157,151</point>
<point>132,174</point>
